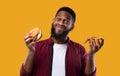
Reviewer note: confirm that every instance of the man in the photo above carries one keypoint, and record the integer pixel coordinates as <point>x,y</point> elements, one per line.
<point>58,55</point>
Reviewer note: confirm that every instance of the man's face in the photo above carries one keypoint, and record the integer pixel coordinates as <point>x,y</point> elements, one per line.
<point>62,24</point>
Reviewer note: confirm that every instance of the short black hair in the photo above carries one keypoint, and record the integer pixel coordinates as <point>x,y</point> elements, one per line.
<point>69,10</point>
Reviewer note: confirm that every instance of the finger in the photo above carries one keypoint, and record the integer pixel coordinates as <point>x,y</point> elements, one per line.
<point>30,32</point>
<point>98,41</point>
<point>90,43</point>
<point>86,40</point>
<point>94,42</point>
<point>95,45</point>
<point>29,40</point>
<point>89,39</point>
<point>28,36</point>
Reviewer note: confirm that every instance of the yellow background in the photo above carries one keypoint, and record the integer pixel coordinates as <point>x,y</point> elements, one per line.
<point>94,18</point>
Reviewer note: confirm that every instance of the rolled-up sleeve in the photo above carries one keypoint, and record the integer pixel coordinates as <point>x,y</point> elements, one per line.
<point>84,59</point>
<point>22,69</point>
<point>23,72</point>
<point>93,73</point>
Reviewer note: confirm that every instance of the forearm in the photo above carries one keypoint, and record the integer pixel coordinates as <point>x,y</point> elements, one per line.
<point>90,65</point>
<point>28,63</point>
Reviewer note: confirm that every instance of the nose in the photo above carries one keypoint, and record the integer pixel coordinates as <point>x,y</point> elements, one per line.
<point>61,22</point>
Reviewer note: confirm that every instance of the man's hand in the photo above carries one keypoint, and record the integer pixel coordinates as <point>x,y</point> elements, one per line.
<point>95,44</point>
<point>30,42</point>
<point>32,37</point>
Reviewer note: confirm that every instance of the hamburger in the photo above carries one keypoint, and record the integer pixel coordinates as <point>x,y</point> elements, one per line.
<point>36,34</point>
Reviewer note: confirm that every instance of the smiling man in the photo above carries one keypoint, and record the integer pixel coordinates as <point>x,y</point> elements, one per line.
<point>58,55</point>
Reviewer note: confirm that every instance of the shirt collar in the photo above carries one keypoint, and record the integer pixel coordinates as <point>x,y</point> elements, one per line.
<point>50,41</point>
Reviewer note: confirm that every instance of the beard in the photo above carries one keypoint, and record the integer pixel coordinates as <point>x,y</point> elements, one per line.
<point>61,36</point>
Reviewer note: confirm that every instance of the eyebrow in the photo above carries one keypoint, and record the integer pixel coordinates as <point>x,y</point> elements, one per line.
<point>65,17</point>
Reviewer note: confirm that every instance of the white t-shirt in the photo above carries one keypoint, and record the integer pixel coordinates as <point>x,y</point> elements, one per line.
<point>58,64</point>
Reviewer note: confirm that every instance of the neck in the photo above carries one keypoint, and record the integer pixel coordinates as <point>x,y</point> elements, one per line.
<point>59,41</point>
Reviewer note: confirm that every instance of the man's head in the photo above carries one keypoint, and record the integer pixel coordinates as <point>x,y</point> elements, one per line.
<point>63,23</point>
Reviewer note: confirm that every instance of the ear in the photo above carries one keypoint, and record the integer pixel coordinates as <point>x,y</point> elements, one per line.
<point>72,27</point>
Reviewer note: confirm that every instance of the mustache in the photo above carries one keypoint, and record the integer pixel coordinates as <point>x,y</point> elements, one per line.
<point>60,26</point>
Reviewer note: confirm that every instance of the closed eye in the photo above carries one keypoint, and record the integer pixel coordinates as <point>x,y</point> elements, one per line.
<point>57,19</point>
<point>66,21</point>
